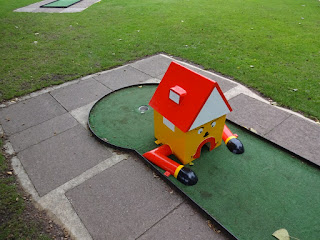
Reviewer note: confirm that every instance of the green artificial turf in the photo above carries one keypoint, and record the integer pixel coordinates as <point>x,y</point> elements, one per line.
<point>111,122</point>
<point>252,195</point>
<point>270,45</point>
<point>60,3</point>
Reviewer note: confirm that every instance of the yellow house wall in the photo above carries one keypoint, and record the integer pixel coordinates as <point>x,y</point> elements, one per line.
<point>193,139</point>
<point>164,135</point>
<point>184,145</point>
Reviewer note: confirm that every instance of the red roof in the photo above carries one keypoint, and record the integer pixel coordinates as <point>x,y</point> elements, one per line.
<point>198,89</point>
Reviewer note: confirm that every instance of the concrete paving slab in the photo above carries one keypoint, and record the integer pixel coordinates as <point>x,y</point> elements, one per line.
<point>252,113</point>
<point>183,223</point>
<point>82,114</point>
<point>122,77</point>
<point>153,80</point>
<point>1,131</point>
<point>155,66</point>
<point>57,160</point>
<point>78,7</point>
<point>79,94</point>
<point>41,132</point>
<point>47,10</point>
<point>26,9</point>
<point>299,136</point>
<point>127,198</point>
<point>224,84</point>
<point>28,113</point>
<point>8,149</point>
<point>84,4</point>
<point>72,10</point>
<point>56,203</point>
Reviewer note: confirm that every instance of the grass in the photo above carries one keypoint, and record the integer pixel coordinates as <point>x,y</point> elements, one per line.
<point>14,223</point>
<point>272,46</point>
<point>269,45</point>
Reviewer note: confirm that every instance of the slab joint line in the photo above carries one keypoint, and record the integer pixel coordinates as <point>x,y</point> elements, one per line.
<point>171,211</point>
<point>56,203</point>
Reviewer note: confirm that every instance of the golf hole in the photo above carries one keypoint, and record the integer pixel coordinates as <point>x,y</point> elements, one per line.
<point>143,108</point>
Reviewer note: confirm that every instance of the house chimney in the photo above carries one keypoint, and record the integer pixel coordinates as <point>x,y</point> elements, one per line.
<point>177,94</point>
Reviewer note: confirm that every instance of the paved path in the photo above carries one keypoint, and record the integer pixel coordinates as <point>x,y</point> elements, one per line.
<point>78,7</point>
<point>85,185</point>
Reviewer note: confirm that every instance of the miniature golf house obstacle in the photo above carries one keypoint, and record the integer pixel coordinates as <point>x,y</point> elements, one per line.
<point>243,193</point>
<point>189,112</point>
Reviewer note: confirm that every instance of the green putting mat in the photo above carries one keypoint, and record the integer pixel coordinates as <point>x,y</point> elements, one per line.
<point>252,195</point>
<point>60,4</point>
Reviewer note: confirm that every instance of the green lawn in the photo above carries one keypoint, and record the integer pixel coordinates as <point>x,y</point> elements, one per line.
<point>15,223</point>
<point>270,45</point>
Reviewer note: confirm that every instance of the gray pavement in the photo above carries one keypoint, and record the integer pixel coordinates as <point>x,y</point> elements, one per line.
<point>78,7</point>
<point>85,186</point>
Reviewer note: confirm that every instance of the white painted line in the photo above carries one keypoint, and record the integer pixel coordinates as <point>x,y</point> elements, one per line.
<point>242,89</point>
<point>114,159</point>
<point>65,84</point>
<point>152,80</point>
<point>72,10</point>
<point>110,70</point>
<point>88,76</point>
<point>40,92</point>
<point>8,149</point>
<point>1,131</point>
<point>81,114</point>
<point>24,178</point>
<point>61,211</point>
<point>37,93</point>
<point>296,114</point>
<point>56,203</point>
<point>25,9</point>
